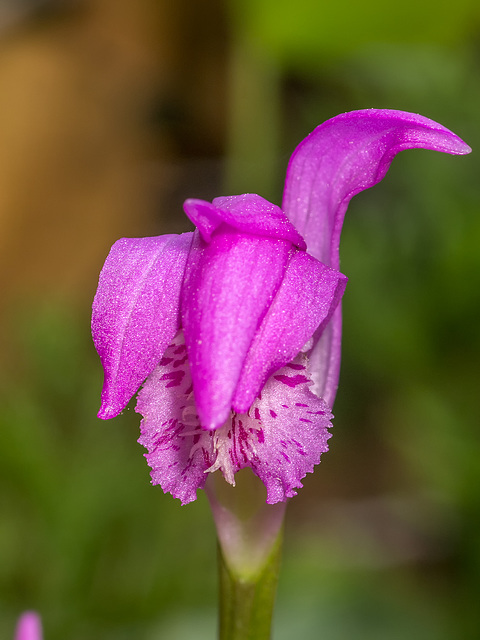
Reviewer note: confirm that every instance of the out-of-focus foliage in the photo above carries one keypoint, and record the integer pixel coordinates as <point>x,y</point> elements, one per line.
<point>84,538</point>
<point>383,540</point>
<point>306,31</point>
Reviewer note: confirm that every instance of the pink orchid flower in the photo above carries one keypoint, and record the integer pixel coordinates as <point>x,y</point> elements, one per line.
<point>235,328</point>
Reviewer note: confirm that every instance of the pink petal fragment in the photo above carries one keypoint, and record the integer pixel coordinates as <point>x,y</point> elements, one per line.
<point>29,627</point>
<point>247,213</point>
<point>281,438</point>
<point>344,156</point>
<point>305,301</point>
<point>229,285</point>
<point>136,312</point>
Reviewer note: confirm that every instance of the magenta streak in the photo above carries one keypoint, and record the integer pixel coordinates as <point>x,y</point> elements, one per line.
<point>291,381</point>
<point>180,349</point>
<point>175,378</point>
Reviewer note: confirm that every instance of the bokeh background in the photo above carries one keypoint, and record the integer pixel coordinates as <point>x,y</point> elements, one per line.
<point>112,112</point>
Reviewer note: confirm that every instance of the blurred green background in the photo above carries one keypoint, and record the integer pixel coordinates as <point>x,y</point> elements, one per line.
<point>111,113</point>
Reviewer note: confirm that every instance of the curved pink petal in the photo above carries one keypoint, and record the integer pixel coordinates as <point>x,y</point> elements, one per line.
<point>305,301</point>
<point>229,286</point>
<point>281,438</point>
<point>136,312</point>
<point>29,627</point>
<point>344,156</point>
<point>340,158</point>
<point>248,213</point>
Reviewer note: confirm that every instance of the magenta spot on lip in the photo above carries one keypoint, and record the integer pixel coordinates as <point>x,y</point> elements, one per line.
<point>291,381</point>
<point>257,413</point>
<point>165,361</point>
<point>300,404</point>
<point>305,420</point>
<point>260,435</point>
<point>177,363</point>
<point>285,405</point>
<point>285,456</point>
<point>272,413</point>
<point>297,367</point>
<point>175,378</point>
<point>180,349</point>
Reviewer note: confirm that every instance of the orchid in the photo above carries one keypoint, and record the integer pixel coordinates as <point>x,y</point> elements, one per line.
<point>234,329</point>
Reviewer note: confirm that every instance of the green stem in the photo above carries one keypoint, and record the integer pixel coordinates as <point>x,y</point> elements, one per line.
<point>250,539</point>
<point>246,606</point>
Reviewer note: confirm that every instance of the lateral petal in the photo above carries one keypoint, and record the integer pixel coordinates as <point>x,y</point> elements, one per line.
<point>136,312</point>
<point>344,156</point>
<point>229,285</point>
<point>305,301</point>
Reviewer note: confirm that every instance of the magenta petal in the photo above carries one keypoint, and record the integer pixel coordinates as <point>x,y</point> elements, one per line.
<point>248,213</point>
<point>306,299</point>
<point>136,312</point>
<point>344,156</point>
<point>29,627</point>
<point>229,285</point>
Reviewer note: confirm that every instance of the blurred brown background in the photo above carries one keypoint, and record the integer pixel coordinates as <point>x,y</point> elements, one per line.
<point>100,101</point>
